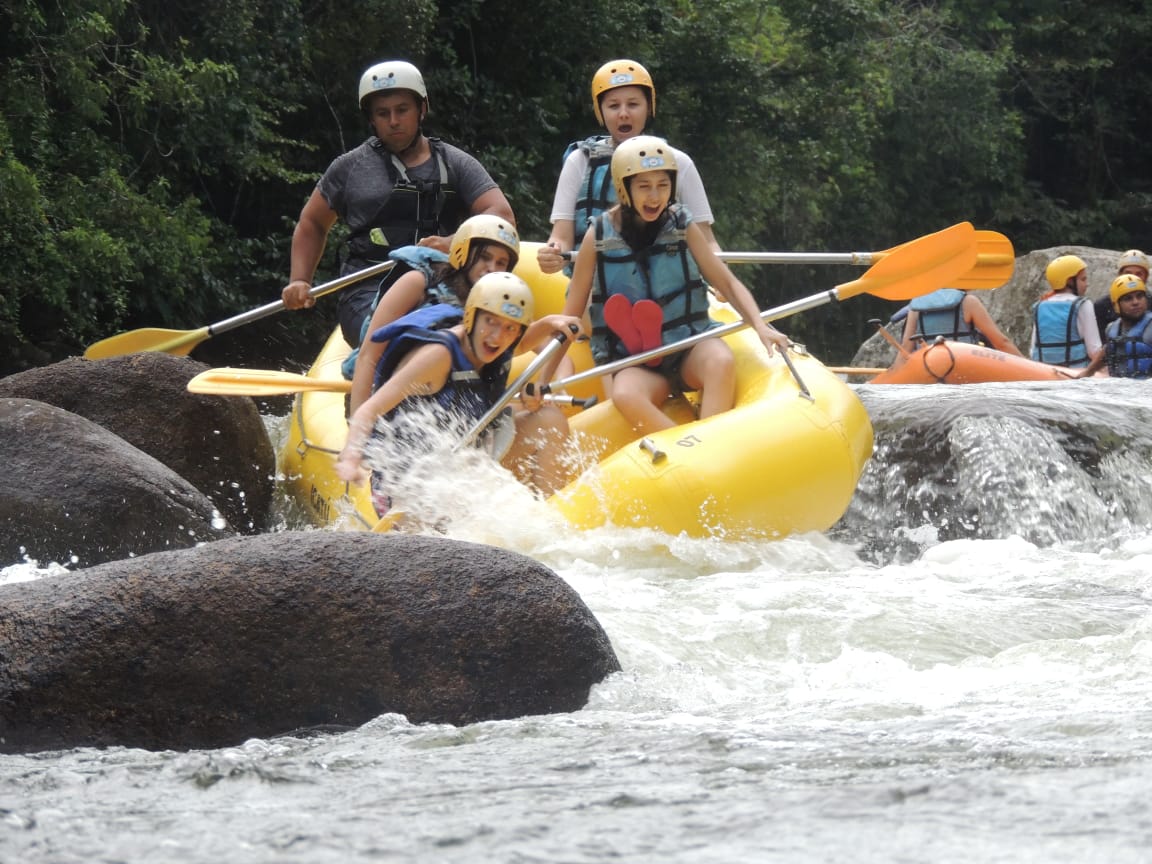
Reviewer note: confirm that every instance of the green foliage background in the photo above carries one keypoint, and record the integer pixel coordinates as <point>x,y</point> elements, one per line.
<point>154,156</point>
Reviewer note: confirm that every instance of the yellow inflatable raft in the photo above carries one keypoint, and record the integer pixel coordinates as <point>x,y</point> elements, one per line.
<point>786,459</point>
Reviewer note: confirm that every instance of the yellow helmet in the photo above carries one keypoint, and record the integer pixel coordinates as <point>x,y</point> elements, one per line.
<point>502,294</point>
<point>392,75</point>
<point>1061,269</point>
<point>484,228</point>
<point>637,155</point>
<point>1122,286</point>
<point>621,73</point>
<point>1134,258</point>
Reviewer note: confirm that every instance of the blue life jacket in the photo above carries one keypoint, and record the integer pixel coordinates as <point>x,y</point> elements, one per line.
<point>597,193</point>
<point>1130,355</point>
<point>468,393</point>
<point>665,272</point>
<point>1058,339</point>
<point>941,314</point>
<point>407,258</point>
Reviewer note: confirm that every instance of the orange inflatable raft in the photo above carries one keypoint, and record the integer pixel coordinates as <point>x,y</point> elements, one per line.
<point>945,362</point>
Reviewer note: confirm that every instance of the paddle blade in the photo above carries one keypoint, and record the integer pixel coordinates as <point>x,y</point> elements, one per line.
<point>919,266</point>
<point>995,263</point>
<point>177,342</point>
<point>227,381</point>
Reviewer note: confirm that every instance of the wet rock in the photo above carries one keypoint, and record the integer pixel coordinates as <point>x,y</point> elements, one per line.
<point>258,636</point>
<point>1011,305</point>
<point>218,444</point>
<point>74,490</point>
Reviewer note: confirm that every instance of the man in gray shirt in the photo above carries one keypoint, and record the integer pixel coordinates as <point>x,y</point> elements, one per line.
<point>396,189</point>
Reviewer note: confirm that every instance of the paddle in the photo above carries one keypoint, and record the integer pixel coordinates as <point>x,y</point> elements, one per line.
<point>230,381</point>
<point>995,260</point>
<point>180,342</point>
<point>531,369</point>
<point>911,270</point>
<point>857,370</point>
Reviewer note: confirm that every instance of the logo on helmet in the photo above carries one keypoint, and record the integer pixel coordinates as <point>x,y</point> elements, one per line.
<point>384,83</point>
<point>507,236</point>
<point>656,161</point>
<point>511,310</point>
<point>621,78</point>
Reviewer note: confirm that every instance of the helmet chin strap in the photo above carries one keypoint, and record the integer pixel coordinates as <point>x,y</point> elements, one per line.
<point>470,344</point>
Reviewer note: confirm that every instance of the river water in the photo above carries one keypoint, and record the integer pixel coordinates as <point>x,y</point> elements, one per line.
<point>960,672</point>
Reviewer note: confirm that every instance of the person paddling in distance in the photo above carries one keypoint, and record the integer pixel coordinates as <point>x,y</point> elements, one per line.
<point>1132,262</point>
<point>1064,331</point>
<point>623,100</point>
<point>638,274</point>
<point>399,187</point>
<point>952,314</point>
<point>456,362</point>
<point>481,245</point>
<point>1128,339</point>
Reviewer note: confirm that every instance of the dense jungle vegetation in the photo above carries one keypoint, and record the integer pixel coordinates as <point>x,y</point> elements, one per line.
<point>154,155</point>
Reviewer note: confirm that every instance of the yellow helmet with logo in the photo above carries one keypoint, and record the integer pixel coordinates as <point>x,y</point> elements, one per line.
<point>1061,269</point>
<point>1122,286</point>
<point>1134,258</point>
<point>389,76</point>
<point>484,228</point>
<point>637,155</point>
<point>503,294</point>
<point>621,73</point>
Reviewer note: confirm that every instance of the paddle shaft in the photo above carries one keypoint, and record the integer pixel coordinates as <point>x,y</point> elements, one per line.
<point>229,381</point>
<point>773,314</point>
<point>531,369</point>
<point>863,259</point>
<point>314,292</point>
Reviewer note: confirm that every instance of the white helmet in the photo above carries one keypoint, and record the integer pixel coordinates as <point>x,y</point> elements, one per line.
<point>392,75</point>
<point>1134,258</point>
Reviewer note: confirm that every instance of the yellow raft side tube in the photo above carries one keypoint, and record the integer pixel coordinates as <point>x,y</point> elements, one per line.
<point>776,464</point>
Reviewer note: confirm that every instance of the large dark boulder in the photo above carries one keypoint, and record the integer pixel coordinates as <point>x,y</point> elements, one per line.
<point>73,492</point>
<point>218,444</point>
<point>263,635</point>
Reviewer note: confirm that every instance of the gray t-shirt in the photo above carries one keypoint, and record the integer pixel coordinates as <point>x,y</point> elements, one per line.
<point>358,182</point>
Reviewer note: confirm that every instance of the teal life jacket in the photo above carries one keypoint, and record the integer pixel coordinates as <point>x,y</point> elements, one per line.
<point>941,313</point>
<point>596,193</point>
<point>1058,340</point>
<point>664,272</point>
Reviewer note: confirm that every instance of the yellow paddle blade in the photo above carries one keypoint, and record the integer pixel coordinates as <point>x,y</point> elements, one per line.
<point>227,381</point>
<point>995,262</point>
<point>178,342</point>
<point>919,266</point>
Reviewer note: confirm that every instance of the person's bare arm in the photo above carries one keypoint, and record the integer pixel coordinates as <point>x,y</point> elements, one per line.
<point>424,371</point>
<point>308,241</point>
<point>406,294</point>
<point>732,290</point>
<point>978,317</point>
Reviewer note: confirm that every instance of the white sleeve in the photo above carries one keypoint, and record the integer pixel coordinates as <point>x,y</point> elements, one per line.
<point>1089,330</point>
<point>690,188</point>
<point>568,187</point>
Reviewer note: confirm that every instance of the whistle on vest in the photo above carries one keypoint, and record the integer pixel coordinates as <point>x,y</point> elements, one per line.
<point>376,236</point>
